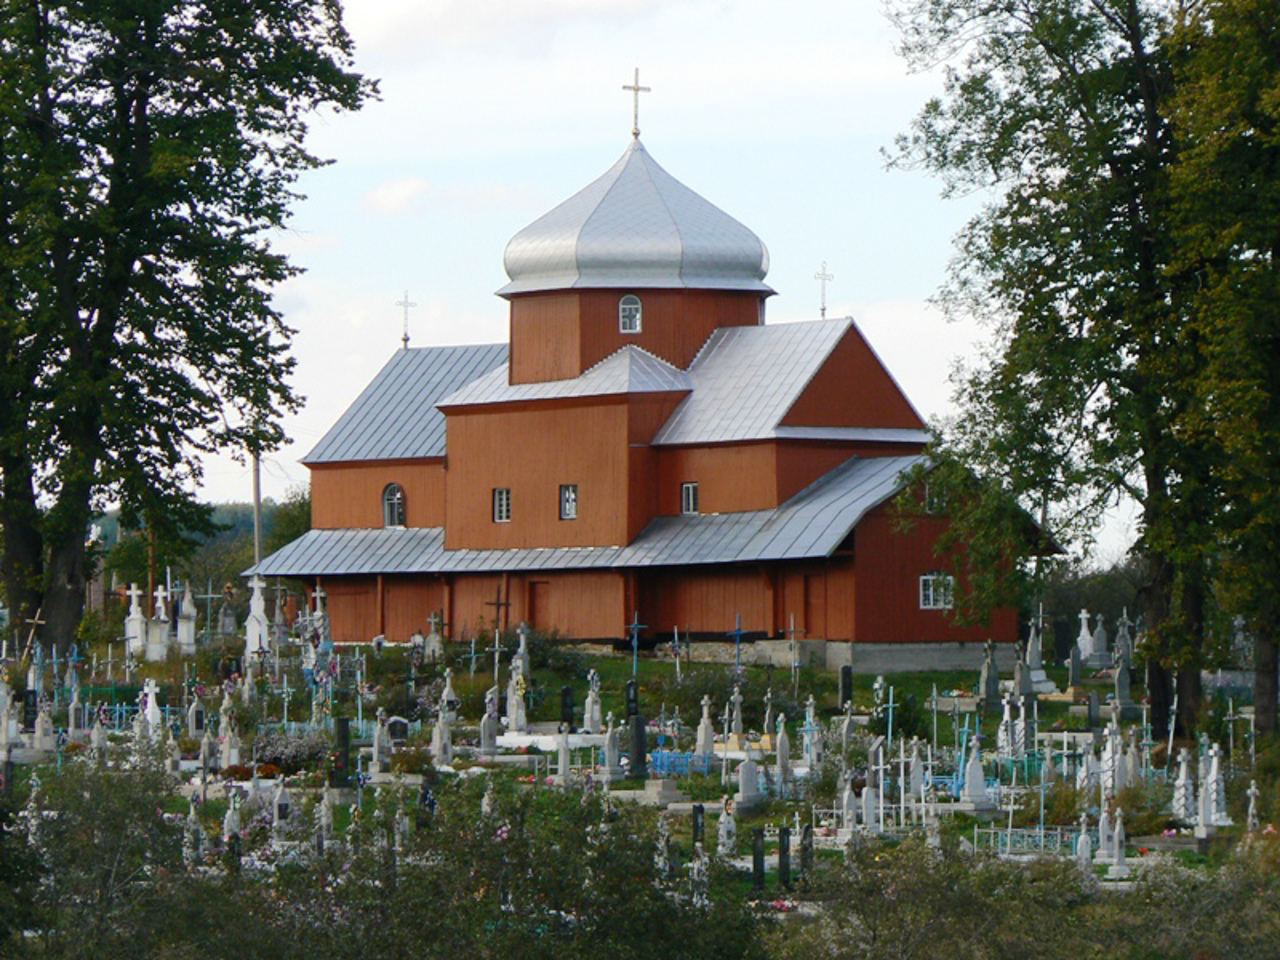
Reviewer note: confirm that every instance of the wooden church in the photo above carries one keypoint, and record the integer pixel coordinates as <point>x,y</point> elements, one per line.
<point>646,449</point>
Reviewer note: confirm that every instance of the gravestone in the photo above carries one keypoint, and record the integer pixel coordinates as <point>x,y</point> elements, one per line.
<point>1075,670</point>
<point>489,724</point>
<point>639,748</point>
<point>784,857</point>
<point>699,822</point>
<point>806,853</point>
<point>757,859</point>
<point>30,709</point>
<point>593,712</point>
<point>846,685</point>
<point>989,681</point>
<point>397,728</point>
<point>706,743</point>
<point>726,832</point>
<point>1095,710</point>
<point>566,708</point>
<point>340,775</point>
<point>633,699</point>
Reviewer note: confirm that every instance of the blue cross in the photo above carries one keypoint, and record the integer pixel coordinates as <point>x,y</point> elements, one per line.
<point>737,633</point>
<point>635,627</point>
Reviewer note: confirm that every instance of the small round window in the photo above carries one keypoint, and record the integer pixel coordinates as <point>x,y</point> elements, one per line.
<point>629,310</point>
<point>393,505</point>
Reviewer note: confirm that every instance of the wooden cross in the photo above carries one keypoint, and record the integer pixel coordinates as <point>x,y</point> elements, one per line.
<point>31,636</point>
<point>406,303</point>
<point>498,604</point>
<point>636,90</point>
<point>822,277</point>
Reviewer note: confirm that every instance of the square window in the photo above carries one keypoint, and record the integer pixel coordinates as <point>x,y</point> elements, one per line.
<point>568,501</point>
<point>502,505</point>
<point>937,591</point>
<point>688,498</point>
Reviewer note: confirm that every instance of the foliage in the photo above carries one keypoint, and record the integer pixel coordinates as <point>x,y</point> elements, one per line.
<point>148,152</point>
<point>1059,111</point>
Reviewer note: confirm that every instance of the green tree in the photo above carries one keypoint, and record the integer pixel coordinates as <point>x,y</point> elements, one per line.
<point>1057,109</point>
<point>1226,194</point>
<point>148,150</point>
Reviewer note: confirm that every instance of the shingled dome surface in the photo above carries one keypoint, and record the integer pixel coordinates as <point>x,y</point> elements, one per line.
<point>636,226</point>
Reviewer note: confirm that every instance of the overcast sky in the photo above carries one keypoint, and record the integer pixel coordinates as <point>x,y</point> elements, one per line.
<point>494,111</point>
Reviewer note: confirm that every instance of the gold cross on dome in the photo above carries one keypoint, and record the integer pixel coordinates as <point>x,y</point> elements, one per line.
<point>636,90</point>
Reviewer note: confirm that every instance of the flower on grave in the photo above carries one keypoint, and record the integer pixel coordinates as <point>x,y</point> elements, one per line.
<point>1143,851</point>
<point>1170,832</point>
<point>782,906</point>
<point>502,833</point>
<point>1268,829</point>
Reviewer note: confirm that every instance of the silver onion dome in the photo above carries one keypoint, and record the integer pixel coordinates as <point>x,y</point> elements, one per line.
<point>636,226</point>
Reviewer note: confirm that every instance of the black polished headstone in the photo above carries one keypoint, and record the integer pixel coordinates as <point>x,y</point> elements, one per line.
<point>1095,709</point>
<point>784,857</point>
<point>757,859</point>
<point>639,748</point>
<point>30,709</point>
<point>340,775</point>
<point>633,698</point>
<point>846,685</point>
<point>8,776</point>
<point>699,822</point>
<point>199,720</point>
<point>566,708</point>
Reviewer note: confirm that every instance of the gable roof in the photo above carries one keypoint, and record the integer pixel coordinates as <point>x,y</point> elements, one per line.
<point>627,370</point>
<point>813,523</point>
<point>745,379</point>
<point>395,417</point>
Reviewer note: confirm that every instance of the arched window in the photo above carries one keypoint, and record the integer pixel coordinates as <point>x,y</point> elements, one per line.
<point>393,505</point>
<point>629,310</point>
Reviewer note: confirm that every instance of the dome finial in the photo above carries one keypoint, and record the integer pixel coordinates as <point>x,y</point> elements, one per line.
<point>636,90</point>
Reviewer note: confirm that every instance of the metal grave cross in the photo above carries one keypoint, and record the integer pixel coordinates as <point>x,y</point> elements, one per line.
<point>823,277</point>
<point>889,705</point>
<point>286,694</point>
<point>795,657</point>
<point>496,650</point>
<point>635,626</point>
<point>636,90</point>
<point>209,596</point>
<point>737,634</point>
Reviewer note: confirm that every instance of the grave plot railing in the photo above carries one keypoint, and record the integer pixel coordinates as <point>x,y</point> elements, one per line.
<point>1054,841</point>
<point>668,763</point>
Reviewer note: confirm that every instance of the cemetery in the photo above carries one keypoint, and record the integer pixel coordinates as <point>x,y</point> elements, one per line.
<point>518,787</point>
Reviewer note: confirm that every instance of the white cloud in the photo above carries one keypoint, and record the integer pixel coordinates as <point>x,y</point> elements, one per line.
<point>393,197</point>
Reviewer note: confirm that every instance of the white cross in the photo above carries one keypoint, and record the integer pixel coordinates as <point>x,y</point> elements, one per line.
<point>406,303</point>
<point>162,602</point>
<point>822,277</point>
<point>636,90</point>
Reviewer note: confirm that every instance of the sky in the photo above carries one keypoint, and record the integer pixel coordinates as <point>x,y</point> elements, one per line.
<point>491,112</point>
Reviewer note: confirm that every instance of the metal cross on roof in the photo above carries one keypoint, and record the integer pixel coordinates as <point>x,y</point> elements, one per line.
<point>822,277</point>
<point>406,303</point>
<point>636,90</point>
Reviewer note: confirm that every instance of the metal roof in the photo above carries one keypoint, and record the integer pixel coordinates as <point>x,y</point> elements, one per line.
<point>395,418</point>
<point>636,226</point>
<point>628,370</point>
<point>745,379</point>
<point>813,523</point>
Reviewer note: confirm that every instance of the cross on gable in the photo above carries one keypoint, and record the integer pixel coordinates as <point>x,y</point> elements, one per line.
<point>636,90</point>
<point>823,277</point>
<point>406,303</point>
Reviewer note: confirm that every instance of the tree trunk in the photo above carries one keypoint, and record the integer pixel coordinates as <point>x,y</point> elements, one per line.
<point>1190,692</point>
<point>1159,693</point>
<point>20,566</point>
<point>1264,678</point>
<point>64,590</point>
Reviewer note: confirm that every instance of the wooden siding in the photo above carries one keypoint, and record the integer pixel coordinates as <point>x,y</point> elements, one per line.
<point>890,564</point>
<point>352,603</point>
<point>556,336</point>
<point>800,463</point>
<point>708,599</point>
<point>408,603</point>
<point>532,450</point>
<point>730,477</point>
<point>852,389</point>
<point>350,494</point>
<point>545,340</point>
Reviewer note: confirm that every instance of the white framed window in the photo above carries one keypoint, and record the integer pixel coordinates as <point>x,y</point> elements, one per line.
<point>689,498</point>
<point>935,499</point>
<point>937,591</point>
<point>393,505</point>
<point>568,501</point>
<point>502,505</point>
<point>629,314</point>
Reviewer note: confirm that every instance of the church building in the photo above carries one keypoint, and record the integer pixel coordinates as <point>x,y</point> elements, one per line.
<point>645,449</point>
